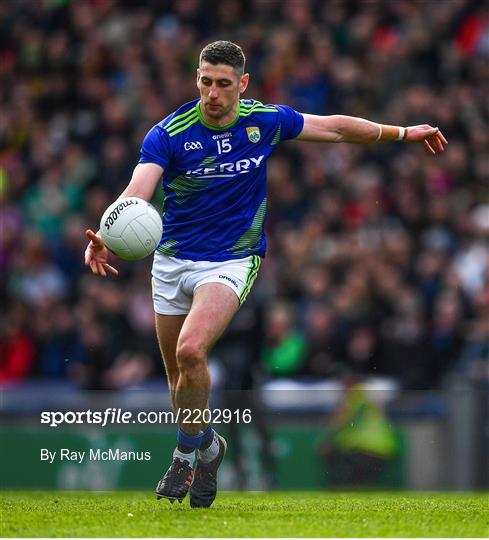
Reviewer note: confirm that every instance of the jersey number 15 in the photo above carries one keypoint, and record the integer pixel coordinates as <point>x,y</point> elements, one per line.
<point>223,146</point>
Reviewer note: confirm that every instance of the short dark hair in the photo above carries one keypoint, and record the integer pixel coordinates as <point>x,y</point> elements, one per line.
<point>224,52</point>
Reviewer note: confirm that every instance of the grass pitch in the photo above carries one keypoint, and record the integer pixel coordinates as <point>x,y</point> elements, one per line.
<point>276,514</point>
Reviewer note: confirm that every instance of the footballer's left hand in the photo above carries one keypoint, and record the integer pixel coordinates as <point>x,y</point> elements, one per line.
<point>431,137</point>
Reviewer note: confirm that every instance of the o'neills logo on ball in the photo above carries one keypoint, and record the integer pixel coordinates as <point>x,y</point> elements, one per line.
<point>112,217</point>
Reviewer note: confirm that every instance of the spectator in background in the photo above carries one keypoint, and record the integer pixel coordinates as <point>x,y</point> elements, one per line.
<point>359,442</point>
<point>322,351</point>
<point>59,346</point>
<point>284,348</point>
<point>16,345</point>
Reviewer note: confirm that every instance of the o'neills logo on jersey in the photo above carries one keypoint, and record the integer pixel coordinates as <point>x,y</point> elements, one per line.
<point>239,166</point>
<point>253,134</point>
<point>112,217</point>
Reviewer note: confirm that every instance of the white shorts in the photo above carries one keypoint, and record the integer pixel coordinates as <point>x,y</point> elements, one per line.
<point>175,280</point>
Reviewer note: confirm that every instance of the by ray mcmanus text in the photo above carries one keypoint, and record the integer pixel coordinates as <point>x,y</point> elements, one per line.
<point>93,454</point>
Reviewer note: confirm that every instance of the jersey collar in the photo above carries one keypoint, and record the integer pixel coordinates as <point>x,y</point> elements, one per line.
<point>217,128</point>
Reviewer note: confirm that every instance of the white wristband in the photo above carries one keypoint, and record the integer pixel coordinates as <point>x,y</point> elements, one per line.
<point>380,133</point>
<point>402,133</point>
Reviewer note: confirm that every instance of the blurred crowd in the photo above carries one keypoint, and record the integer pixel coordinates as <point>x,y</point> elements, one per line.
<point>377,260</point>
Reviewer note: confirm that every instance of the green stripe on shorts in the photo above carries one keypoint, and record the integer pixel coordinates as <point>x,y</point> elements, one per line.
<point>250,277</point>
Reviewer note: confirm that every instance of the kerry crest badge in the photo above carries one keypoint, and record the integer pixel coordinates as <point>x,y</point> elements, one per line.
<point>253,134</point>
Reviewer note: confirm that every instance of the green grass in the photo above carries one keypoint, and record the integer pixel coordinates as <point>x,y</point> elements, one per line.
<point>290,514</point>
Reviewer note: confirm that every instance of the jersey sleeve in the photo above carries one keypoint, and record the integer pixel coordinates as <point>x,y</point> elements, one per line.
<point>291,122</point>
<point>156,147</point>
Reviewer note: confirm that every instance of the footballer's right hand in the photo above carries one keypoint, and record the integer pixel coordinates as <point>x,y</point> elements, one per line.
<point>96,255</point>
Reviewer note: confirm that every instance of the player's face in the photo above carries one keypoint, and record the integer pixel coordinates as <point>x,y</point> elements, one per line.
<point>220,88</point>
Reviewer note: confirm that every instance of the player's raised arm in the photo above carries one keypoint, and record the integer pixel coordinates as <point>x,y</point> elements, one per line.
<point>143,184</point>
<point>338,128</point>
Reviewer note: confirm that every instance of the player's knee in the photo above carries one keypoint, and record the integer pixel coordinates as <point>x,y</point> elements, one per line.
<point>190,356</point>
